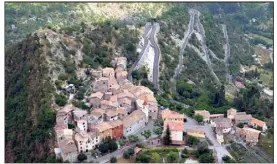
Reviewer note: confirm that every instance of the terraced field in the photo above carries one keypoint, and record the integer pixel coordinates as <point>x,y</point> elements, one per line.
<point>245,155</point>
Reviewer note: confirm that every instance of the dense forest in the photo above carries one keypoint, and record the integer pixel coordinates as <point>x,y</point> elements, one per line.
<point>29,118</point>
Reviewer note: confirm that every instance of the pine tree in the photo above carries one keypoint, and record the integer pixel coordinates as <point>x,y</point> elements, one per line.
<point>167,137</point>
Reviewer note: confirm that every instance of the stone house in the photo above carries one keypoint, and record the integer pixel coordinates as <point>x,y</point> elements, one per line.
<point>204,113</point>
<point>79,114</point>
<point>243,118</point>
<point>107,104</point>
<point>222,125</point>
<point>95,99</point>
<point>249,135</point>
<point>154,141</point>
<point>252,135</point>
<point>82,125</point>
<point>108,72</point>
<point>139,90</point>
<point>122,112</point>
<point>111,115</point>
<point>94,118</point>
<point>258,123</point>
<point>62,133</point>
<point>213,116</point>
<point>152,105</point>
<point>101,85</point>
<point>168,115</point>
<point>231,113</point>
<point>176,129</point>
<point>104,129</point>
<point>83,141</point>
<point>134,122</point>
<point>121,75</point>
<point>117,128</point>
<point>126,103</point>
<point>68,150</point>
<point>94,135</point>
<point>107,95</point>
<point>96,73</point>
<point>144,107</point>
<point>64,115</point>
<point>112,85</point>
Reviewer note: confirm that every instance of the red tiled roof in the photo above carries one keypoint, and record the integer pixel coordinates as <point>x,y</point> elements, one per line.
<point>174,126</point>
<point>171,114</point>
<point>257,122</point>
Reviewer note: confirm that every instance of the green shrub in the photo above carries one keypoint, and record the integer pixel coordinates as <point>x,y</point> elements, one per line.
<point>63,77</point>
<point>60,99</point>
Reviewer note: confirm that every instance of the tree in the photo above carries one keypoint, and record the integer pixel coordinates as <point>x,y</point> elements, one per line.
<point>185,151</point>
<point>191,140</point>
<point>146,134</point>
<point>131,151</point>
<point>143,158</point>
<point>103,147</point>
<point>155,158</point>
<point>113,159</point>
<point>228,159</point>
<point>60,99</point>
<point>167,137</point>
<point>172,157</point>
<point>126,155</point>
<point>198,118</point>
<point>133,138</point>
<point>240,125</point>
<point>158,131</point>
<point>136,74</point>
<point>202,148</point>
<point>206,158</point>
<point>82,157</point>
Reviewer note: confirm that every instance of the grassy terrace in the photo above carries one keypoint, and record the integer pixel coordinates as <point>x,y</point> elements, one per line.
<point>243,155</point>
<point>266,143</point>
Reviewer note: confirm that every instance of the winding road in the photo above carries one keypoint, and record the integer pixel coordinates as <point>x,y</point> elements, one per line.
<point>155,30</point>
<point>227,56</point>
<point>149,36</point>
<point>201,30</point>
<point>146,36</point>
<point>184,44</point>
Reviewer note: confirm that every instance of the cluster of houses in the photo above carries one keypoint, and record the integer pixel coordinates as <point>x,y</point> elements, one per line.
<point>118,108</point>
<point>222,125</point>
<point>175,123</point>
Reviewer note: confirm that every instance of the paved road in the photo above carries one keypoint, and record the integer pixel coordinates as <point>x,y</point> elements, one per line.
<point>155,30</point>
<point>184,44</point>
<point>146,36</point>
<point>201,30</point>
<point>117,154</point>
<point>220,149</point>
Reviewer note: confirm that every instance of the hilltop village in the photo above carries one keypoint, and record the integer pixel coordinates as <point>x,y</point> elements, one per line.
<point>120,109</point>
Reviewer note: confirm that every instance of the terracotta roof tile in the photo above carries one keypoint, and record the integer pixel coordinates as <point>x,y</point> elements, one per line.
<point>67,146</point>
<point>174,126</point>
<point>257,122</point>
<point>103,126</point>
<point>133,118</point>
<point>97,94</point>
<point>171,114</point>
